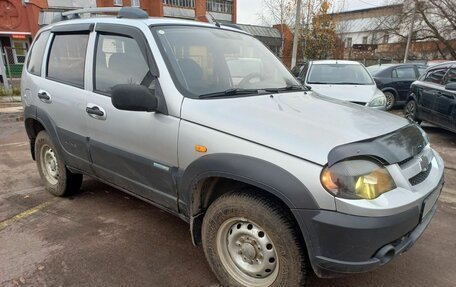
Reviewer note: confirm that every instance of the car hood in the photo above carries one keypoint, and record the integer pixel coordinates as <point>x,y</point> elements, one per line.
<point>350,93</point>
<point>305,125</point>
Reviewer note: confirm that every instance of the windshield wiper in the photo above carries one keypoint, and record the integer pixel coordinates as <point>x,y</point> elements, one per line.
<point>287,88</point>
<point>229,92</point>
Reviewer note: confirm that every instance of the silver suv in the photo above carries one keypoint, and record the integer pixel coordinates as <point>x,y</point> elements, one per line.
<point>203,121</point>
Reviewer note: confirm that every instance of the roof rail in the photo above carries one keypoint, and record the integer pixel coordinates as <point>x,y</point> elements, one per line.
<point>122,12</point>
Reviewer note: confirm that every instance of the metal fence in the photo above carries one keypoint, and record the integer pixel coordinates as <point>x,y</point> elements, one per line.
<point>11,65</point>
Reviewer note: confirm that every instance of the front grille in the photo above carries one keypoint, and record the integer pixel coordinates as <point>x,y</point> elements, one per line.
<point>419,178</point>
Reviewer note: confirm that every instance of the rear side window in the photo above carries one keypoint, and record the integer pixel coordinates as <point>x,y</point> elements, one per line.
<point>436,76</point>
<point>404,73</point>
<point>35,59</point>
<point>67,59</point>
<point>118,61</point>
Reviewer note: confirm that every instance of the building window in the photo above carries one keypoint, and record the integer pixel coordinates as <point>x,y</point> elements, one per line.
<point>386,38</point>
<point>220,6</point>
<point>349,43</point>
<point>365,40</point>
<point>135,3</point>
<point>180,3</point>
<point>118,3</point>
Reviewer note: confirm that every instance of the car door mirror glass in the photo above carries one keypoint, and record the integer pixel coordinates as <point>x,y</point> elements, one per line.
<point>131,97</point>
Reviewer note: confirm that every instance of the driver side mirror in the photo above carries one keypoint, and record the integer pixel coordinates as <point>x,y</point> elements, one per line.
<point>130,97</point>
<point>451,86</point>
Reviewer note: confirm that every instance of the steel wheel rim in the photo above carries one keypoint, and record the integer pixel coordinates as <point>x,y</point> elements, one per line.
<point>49,164</point>
<point>410,110</point>
<point>247,252</point>
<point>389,100</point>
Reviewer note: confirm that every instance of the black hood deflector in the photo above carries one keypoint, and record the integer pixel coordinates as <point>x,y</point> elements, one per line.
<point>391,148</point>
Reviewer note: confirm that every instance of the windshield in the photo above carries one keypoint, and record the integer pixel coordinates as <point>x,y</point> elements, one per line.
<point>339,74</point>
<point>206,61</point>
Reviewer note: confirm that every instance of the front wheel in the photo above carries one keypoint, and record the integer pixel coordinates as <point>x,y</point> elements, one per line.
<point>249,241</point>
<point>410,111</point>
<point>58,180</point>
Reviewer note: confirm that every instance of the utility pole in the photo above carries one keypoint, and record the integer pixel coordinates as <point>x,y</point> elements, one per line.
<point>412,27</point>
<point>296,34</point>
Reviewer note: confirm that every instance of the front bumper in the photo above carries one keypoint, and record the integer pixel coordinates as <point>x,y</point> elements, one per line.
<point>339,243</point>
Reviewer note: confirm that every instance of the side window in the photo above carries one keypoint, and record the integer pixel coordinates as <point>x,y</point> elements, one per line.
<point>436,76</point>
<point>35,59</point>
<point>67,59</point>
<point>118,61</point>
<point>451,76</point>
<point>404,73</point>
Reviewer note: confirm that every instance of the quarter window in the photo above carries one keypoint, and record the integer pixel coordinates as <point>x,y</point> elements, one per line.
<point>67,59</point>
<point>436,76</point>
<point>35,59</point>
<point>119,60</point>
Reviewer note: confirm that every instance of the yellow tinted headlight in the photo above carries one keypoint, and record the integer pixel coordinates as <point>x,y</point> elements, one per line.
<point>357,179</point>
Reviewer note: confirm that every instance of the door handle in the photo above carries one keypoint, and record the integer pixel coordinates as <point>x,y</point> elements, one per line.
<point>96,112</point>
<point>44,96</point>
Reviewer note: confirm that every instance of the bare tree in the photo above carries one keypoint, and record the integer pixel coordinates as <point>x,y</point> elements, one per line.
<point>435,21</point>
<point>278,12</point>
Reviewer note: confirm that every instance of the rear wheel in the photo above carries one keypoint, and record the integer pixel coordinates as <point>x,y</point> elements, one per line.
<point>57,179</point>
<point>390,100</point>
<point>249,241</point>
<point>410,111</point>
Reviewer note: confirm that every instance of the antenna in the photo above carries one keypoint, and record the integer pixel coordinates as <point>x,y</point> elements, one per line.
<point>210,14</point>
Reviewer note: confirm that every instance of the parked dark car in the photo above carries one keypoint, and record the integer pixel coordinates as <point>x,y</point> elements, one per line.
<point>394,80</point>
<point>433,97</point>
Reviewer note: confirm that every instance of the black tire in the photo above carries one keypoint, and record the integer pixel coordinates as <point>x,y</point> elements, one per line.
<point>58,180</point>
<point>268,220</point>
<point>410,111</point>
<point>390,100</point>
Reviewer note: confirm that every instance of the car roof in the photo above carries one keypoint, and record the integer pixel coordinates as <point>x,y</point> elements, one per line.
<point>333,62</point>
<point>443,65</point>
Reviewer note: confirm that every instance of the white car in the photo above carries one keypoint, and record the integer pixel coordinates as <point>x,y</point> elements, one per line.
<point>343,80</point>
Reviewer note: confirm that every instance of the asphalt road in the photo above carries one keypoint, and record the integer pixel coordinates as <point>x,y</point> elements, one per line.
<point>103,237</point>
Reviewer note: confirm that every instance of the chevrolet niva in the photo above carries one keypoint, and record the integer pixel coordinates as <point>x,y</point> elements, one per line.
<point>203,121</point>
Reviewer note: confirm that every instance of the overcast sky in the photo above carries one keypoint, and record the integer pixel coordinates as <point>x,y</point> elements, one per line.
<point>248,10</point>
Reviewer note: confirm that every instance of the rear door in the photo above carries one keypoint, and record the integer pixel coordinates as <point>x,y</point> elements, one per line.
<point>403,77</point>
<point>445,107</point>
<point>136,151</point>
<point>59,92</point>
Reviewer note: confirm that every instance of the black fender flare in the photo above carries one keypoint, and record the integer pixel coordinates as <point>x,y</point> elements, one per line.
<point>250,170</point>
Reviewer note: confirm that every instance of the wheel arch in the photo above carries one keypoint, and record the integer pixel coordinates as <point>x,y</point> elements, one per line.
<point>390,89</point>
<point>211,176</point>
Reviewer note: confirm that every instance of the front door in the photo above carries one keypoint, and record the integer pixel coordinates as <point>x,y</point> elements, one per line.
<point>428,92</point>
<point>136,151</point>
<point>445,107</point>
